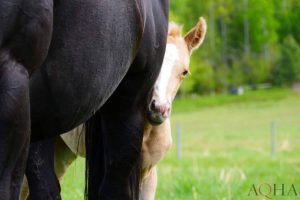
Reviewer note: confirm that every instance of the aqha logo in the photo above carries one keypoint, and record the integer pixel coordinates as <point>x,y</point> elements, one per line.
<point>269,191</point>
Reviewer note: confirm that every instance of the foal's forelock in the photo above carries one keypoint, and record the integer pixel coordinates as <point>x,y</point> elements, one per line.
<point>175,30</point>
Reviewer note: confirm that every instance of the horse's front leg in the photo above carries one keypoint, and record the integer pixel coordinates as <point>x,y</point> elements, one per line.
<point>14,125</point>
<point>148,185</point>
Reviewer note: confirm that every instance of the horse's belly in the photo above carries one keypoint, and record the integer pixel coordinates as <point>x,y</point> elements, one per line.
<point>59,105</point>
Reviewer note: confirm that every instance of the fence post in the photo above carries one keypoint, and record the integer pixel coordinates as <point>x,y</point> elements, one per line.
<point>178,131</point>
<point>273,138</point>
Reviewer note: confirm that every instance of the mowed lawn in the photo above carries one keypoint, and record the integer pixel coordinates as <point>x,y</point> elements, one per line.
<point>226,148</point>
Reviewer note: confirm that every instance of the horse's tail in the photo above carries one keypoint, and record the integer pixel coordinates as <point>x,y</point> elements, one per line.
<point>98,162</point>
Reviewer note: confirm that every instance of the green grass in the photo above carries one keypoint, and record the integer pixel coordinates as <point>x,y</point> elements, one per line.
<point>225,148</point>
<point>195,102</point>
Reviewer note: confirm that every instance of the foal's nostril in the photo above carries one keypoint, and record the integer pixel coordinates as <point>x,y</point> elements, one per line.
<point>152,106</point>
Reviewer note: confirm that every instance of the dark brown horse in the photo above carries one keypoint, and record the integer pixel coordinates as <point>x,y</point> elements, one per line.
<point>102,63</point>
<point>157,139</point>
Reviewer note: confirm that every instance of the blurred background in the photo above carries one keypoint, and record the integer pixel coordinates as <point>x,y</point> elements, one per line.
<point>249,42</point>
<point>236,119</point>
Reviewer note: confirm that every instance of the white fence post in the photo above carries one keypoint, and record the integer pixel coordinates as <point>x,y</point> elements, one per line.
<point>273,138</point>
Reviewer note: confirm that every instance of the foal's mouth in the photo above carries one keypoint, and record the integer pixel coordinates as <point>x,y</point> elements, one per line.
<point>155,118</point>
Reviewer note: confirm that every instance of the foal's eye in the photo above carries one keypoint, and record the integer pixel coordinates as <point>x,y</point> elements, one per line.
<point>185,73</point>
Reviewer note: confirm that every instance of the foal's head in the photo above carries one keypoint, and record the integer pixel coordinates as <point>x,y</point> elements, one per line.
<point>174,69</point>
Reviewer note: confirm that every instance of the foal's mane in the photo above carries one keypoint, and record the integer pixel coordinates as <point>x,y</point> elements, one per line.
<point>175,30</point>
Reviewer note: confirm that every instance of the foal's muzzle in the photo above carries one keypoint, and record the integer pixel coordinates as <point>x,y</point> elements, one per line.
<point>158,112</point>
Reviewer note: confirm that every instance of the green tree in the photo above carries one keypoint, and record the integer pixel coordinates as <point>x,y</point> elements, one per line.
<point>248,42</point>
<point>287,69</point>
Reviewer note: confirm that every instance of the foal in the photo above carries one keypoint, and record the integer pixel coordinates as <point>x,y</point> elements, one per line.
<point>157,139</point>
<point>157,130</point>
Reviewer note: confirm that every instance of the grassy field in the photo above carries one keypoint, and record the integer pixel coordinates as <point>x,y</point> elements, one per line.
<point>226,148</point>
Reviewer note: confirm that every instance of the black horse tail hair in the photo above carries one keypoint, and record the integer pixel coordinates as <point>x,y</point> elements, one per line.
<point>97,161</point>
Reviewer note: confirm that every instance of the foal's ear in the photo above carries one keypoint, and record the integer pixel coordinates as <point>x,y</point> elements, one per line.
<point>196,35</point>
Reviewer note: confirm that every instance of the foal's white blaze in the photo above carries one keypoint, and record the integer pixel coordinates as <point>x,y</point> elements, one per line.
<point>161,84</point>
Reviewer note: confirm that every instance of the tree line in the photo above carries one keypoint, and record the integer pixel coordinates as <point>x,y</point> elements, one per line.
<point>248,42</point>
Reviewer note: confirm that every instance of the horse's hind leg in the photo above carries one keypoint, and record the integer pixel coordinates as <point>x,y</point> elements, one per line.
<point>14,125</point>
<point>63,158</point>
<point>40,173</point>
